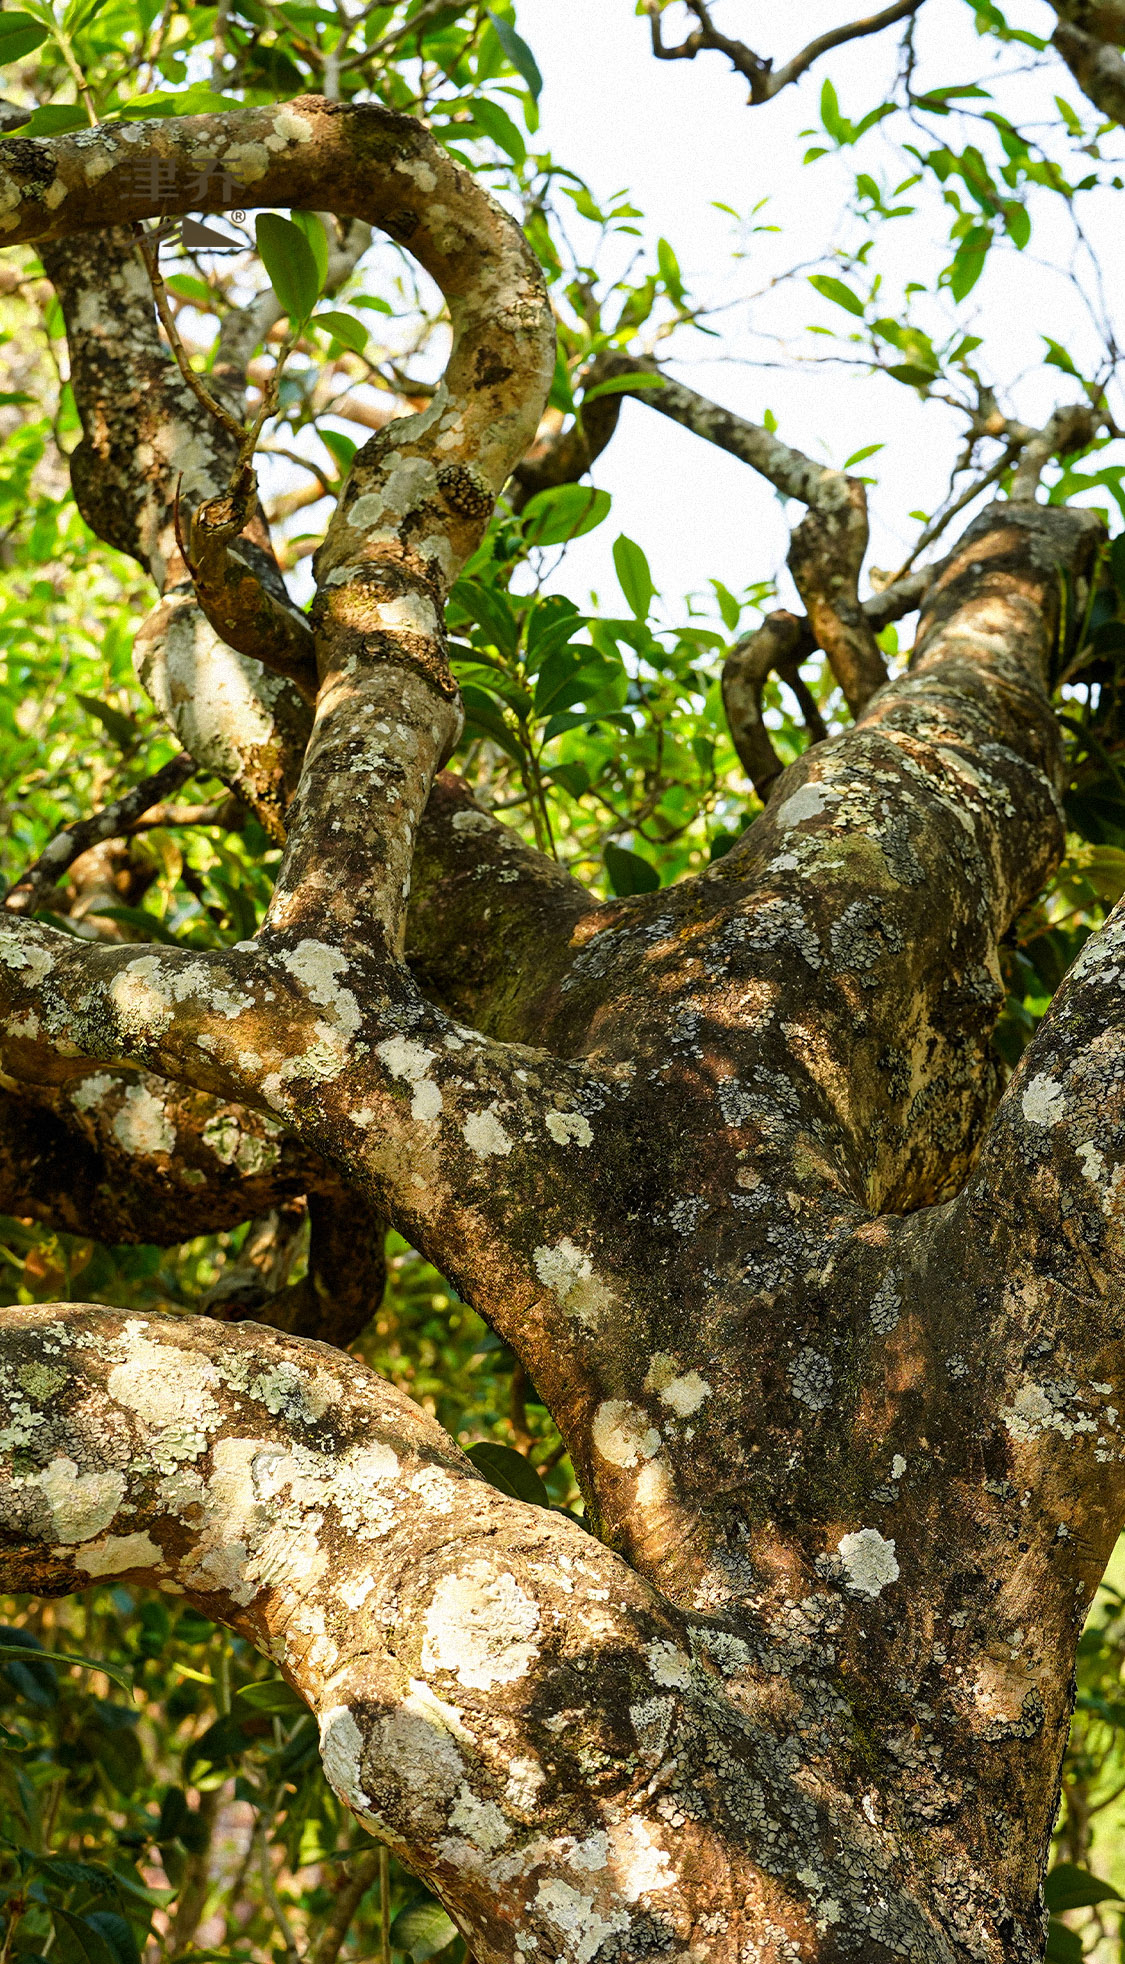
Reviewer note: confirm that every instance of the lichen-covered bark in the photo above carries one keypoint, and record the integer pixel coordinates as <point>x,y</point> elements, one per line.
<point>830,1333</point>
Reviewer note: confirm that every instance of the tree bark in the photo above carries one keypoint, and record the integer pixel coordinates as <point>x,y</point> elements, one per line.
<point>829,1326</point>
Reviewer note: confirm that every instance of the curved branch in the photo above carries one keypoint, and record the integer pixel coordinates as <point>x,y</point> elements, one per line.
<point>777,647</point>
<point>828,546</point>
<point>826,557</point>
<point>144,435</point>
<point>552,1746</point>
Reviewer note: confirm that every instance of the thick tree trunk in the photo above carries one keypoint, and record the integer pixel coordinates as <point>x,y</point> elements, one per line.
<point>832,1337</point>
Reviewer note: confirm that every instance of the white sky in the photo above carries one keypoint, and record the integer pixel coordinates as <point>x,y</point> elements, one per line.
<point>680,135</point>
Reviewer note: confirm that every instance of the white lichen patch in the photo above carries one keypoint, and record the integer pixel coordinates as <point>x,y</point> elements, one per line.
<point>810,801</point>
<point>869,1561</point>
<point>583,1927</point>
<point>89,1092</point>
<point>317,967</point>
<point>480,1821</point>
<point>1043,1101</point>
<point>139,998</point>
<point>569,1128</point>
<point>410,1062</point>
<point>670,1666</point>
<point>623,1434</point>
<point>119,1553</point>
<point>480,1625</point>
<point>162,1384</point>
<point>683,1394</point>
<point>485,1136</point>
<point>142,1125</point>
<point>1050,1407</point>
<point>886,1306</point>
<point>570,1276</point>
<point>811,1377</point>
<point>82,1504</point>
<point>641,1867</point>
<point>341,1750</point>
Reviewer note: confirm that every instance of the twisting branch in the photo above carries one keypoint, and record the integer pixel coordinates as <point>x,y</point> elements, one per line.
<point>778,647</point>
<point>1070,428</point>
<point>828,546</point>
<point>255,618</point>
<point>765,80</point>
<point>24,895</point>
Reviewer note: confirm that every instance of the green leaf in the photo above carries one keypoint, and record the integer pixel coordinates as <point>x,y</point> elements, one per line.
<point>117,1934</point>
<point>20,35</point>
<point>79,1941</point>
<point>519,54</point>
<point>836,291</point>
<point>509,1472</point>
<point>1018,224</point>
<point>858,456</point>
<point>273,1697</point>
<point>312,226</point>
<point>498,125</point>
<point>482,718</point>
<point>913,373</point>
<point>969,261</point>
<point>197,291</point>
<point>669,269</point>
<point>199,100</point>
<point>142,920</point>
<point>633,575</point>
<point>1063,1946</point>
<point>571,675</point>
<point>624,385</point>
<point>491,610</point>
<point>629,873</point>
<point>343,328</point>
<point>290,264</point>
<point>1057,357</point>
<point>1069,1887</point>
<point>55,120</point>
<point>340,448</point>
<point>121,728</point>
<point>553,518</point>
<point>36,1654</point>
<point>422,1929</point>
<point>79,15</point>
<point>11,398</point>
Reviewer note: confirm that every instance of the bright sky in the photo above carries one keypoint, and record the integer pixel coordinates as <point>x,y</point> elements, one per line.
<point>680,136</point>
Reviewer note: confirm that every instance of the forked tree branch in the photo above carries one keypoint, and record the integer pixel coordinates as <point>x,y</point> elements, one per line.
<point>765,80</point>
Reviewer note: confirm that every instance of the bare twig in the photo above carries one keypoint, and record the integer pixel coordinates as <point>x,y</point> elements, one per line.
<point>766,81</point>
<point>73,840</point>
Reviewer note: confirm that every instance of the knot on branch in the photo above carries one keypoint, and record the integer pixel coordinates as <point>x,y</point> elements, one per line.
<point>379,611</point>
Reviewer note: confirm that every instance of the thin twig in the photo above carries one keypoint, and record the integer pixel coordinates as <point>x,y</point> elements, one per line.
<point>203,396</point>
<point>69,844</point>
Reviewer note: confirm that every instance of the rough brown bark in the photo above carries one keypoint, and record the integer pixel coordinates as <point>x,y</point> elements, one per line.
<point>830,1328</point>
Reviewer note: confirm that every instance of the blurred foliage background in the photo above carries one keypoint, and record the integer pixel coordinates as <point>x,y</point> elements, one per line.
<point>160,1790</point>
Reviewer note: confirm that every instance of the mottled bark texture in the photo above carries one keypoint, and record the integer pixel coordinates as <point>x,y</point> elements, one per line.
<point>831,1329</point>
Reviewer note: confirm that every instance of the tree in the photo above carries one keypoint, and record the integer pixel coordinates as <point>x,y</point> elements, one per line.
<point>824,1308</point>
